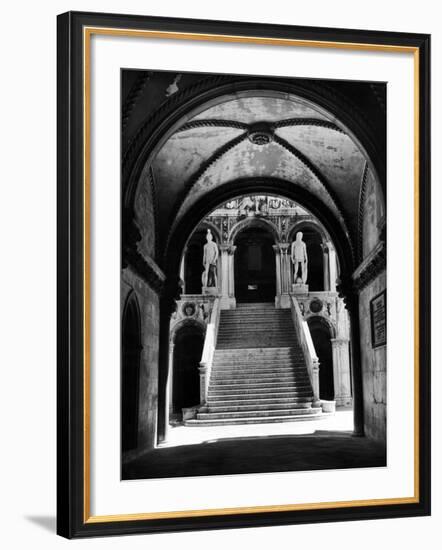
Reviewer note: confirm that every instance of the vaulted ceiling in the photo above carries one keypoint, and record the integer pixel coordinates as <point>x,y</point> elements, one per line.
<point>252,133</point>
<point>263,135</point>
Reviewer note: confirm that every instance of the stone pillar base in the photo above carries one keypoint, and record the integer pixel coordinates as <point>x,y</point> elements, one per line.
<point>282,301</point>
<point>299,288</point>
<point>227,302</point>
<point>328,406</point>
<point>211,290</point>
<point>344,401</point>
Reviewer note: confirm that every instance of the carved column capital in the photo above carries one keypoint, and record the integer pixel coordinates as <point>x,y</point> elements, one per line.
<point>284,247</point>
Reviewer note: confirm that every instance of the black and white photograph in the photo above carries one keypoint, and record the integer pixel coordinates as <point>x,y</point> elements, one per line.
<point>253,274</point>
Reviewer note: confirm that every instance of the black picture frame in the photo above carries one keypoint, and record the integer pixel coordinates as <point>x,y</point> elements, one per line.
<point>73,517</point>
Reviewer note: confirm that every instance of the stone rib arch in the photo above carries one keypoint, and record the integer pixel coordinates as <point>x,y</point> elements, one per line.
<point>253,222</point>
<point>321,320</point>
<point>195,323</point>
<point>234,188</point>
<point>311,224</point>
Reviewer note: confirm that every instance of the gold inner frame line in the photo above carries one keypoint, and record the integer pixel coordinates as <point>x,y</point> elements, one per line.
<point>87,34</point>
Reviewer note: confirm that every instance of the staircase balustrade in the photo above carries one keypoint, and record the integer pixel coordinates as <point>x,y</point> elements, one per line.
<point>210,339</point>
<point>308,349</point>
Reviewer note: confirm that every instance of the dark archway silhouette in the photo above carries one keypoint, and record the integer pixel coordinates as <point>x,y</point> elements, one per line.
<point>321,337</point>
<point>255,269</point>
<point>193,263</point>
<point>130,375</point>
<point>187,352</point>
<point>315,255</point>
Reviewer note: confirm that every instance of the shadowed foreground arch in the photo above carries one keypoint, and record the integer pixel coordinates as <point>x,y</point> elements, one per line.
<point>130,375</point>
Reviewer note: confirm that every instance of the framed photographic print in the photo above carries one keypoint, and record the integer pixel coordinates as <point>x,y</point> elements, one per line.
<point>225,193</point>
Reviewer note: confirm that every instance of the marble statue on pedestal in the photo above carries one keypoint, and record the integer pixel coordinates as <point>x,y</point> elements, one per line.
<point>210,258</point>
<point>299,259</point>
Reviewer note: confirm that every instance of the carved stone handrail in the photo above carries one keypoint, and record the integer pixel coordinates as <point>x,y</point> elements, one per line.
<point>308,349</point>
<point>206,362</point>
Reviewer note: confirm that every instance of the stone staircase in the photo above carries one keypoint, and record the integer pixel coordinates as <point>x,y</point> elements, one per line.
<point>258,373</point>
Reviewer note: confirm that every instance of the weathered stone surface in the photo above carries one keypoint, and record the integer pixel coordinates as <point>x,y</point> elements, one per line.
<point>373,214</point>
<point>374,362</point>
<point>149,311</point>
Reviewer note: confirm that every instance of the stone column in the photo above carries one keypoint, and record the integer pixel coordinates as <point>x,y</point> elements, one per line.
<point>332,268</point>
<point>231,278</point>
<point>170,294</point>
<point>169,394</point>
<point>278,275</point>
<point>326,264</point>
<point>351,299</point>
<point>202,373</point>
<point>285,274</point>
<point>315,384</point>
<point>341,371</point>
<point>182,268</point>
<point>223,284</point>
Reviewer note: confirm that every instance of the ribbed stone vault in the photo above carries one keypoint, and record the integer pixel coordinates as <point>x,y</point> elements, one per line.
<point>263,136</point>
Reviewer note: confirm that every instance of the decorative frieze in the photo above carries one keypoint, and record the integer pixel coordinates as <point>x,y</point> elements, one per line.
<point>374,264</point>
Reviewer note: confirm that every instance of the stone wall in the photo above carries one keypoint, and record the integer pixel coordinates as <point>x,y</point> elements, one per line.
<point>374,360</point>
<point>373,214</point>
<point>148,301</point>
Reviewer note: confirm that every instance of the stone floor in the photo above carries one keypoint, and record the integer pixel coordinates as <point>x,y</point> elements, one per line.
<point>309,445</point>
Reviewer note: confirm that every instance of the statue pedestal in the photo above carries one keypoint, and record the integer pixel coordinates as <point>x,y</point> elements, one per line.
<point>211,290</point>
<point>299,288</point>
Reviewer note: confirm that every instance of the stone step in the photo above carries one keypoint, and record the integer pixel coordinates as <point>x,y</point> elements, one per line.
<point>264,407</point>
<point>270,393</point>
<point>254,375</point>
<point>258,360</point>
<point>260,317</point>
<point>247,360</point>
<point>263,401</point>
<point>268,375</point>
<point>227,328</point>
<point>259,351</point>
<point>307,398</point>
<point>254,369</point>
<point>258,413</point>
<point>253,305</point>
<point>264,365</point>
<point>261,321</point>
<point>253,338</point>
<point>239,345</point>
<point>255,420</point>
<point>259,383</point>
<point>252,332</point>
<point>258,387</point>
<point>267,312</point>
<point>251,380</point>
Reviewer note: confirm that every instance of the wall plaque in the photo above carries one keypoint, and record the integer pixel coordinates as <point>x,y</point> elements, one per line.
<point>378,318</point>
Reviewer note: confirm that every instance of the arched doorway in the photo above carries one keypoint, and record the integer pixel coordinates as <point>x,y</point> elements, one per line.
<point>321,336</point>
<point>255,270</point>
<point>131,349</point>
<point>189,340</point>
